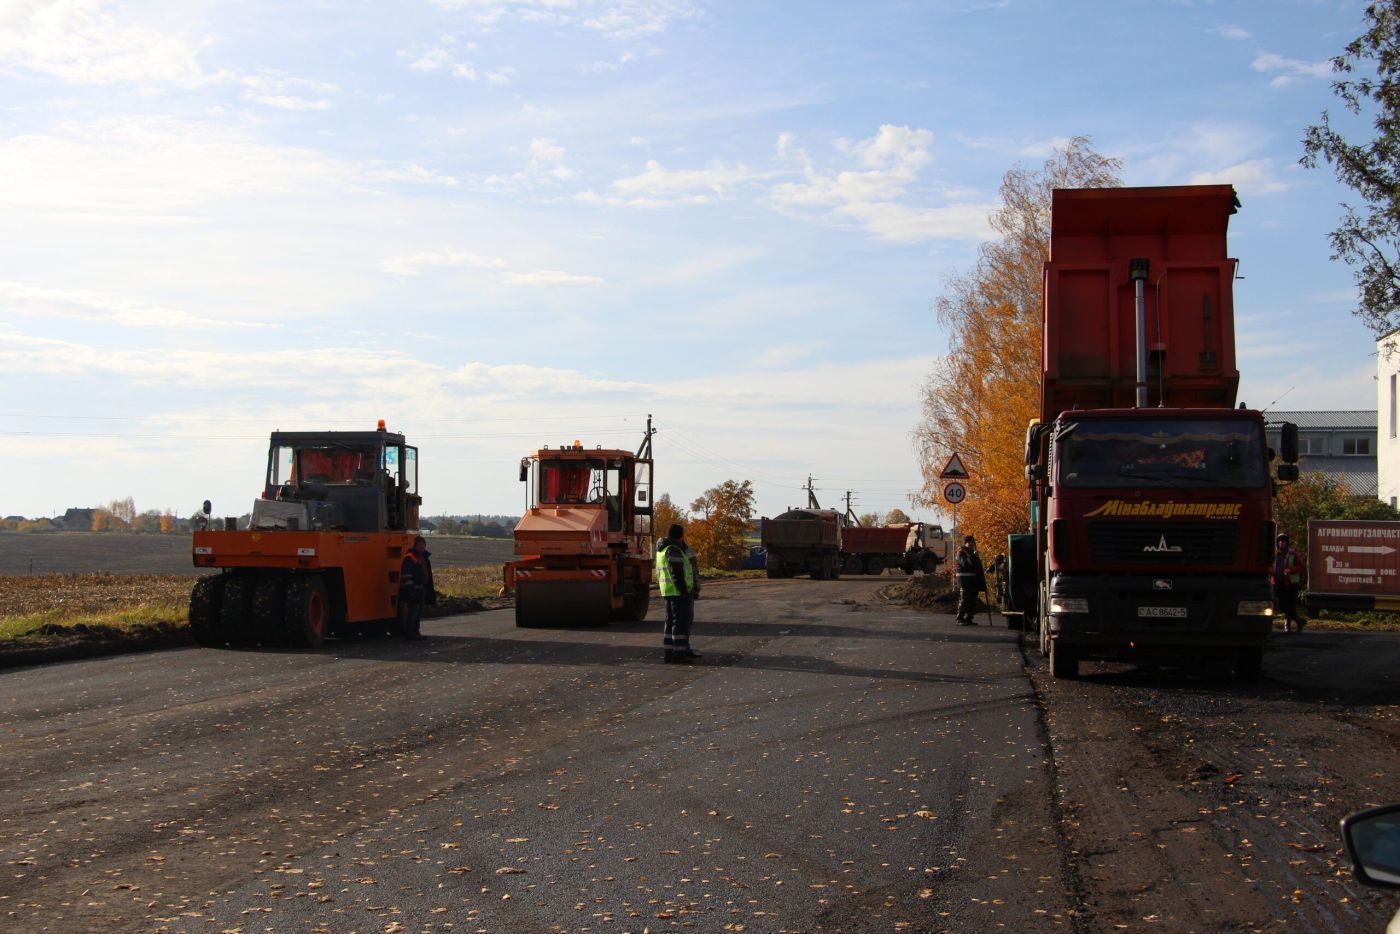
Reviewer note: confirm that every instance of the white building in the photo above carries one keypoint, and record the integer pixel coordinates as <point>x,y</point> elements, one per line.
<point>1387,443</point>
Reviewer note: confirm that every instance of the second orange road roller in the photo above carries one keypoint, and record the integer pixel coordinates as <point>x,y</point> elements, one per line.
<point>584,546</point>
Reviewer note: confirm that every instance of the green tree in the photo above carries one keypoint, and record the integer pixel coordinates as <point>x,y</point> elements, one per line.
<point>1368,237</point>
<point>980,397</point>
<point>718,535</point>
<point>1318,496</point>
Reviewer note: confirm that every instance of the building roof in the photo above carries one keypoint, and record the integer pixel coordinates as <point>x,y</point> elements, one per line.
<point>1356,474</point>
<point>1334,420</point>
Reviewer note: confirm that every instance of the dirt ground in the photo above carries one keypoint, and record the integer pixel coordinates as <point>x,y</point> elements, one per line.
<point>131,553</point>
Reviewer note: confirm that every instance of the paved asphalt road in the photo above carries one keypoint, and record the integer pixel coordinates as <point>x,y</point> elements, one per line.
<point>831,764</point>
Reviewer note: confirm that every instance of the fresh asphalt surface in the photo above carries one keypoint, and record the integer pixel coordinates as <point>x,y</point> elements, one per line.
<point>831,764</point>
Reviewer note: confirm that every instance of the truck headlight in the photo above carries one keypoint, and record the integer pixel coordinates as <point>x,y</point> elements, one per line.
<point>1063,605</point>
<point>1255,608</point>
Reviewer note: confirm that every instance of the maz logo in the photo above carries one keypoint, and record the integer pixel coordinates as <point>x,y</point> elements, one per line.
<point>1162,547</point>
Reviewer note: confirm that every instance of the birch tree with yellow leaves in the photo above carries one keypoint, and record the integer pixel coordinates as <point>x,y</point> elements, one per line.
<point>982,394</point>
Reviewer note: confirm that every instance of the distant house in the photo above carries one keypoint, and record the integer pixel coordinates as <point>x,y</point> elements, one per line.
<point>1340,444</point>
<point>76,520</point>
<point>427,526</point>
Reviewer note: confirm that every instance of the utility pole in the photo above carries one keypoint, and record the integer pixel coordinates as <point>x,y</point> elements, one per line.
<point>812,495</point>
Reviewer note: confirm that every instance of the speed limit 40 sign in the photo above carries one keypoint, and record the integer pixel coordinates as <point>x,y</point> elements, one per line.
<point>954,492</point>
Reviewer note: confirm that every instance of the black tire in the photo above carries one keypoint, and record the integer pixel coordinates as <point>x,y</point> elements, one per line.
<point>928,564</point>
<point>1064,663</point>
<point>634,606</point>
<point>206,608</point>
<point>775,574</point>
<point>851,565</point>
<point>1249,664</point>
<point>234,624</point>
<point>875,566</point>
<point>307,615</point>
<point>266,610</point>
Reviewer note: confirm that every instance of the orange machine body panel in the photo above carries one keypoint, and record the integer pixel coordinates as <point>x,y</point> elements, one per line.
<point>369,562</point>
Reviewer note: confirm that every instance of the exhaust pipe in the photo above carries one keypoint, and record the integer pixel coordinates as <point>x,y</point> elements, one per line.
<point>1137,271</point>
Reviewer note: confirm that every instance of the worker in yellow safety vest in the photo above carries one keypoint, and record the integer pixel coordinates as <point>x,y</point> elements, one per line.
<point>680,583</point>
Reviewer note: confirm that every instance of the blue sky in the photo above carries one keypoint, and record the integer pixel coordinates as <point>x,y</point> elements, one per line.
<point>498,224</point>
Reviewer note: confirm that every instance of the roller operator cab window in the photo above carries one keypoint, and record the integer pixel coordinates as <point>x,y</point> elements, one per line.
<point>574,482</point>
<point>564,482</point>
<point>331,465</point>
<point>1161,452</point>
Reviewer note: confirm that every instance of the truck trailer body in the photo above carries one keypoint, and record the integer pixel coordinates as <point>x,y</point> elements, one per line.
<point>907,547</point>
<point>803,541</point>
<point>1151,494</point>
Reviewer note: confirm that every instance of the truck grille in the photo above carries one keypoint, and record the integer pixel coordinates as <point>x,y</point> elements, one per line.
<point>1156,543</point>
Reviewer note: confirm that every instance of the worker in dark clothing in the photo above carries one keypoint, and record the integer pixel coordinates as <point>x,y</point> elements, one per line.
<point>1287,577</point>
<point>679,581</point>
<point>415,588</point>
<point>971,580</point>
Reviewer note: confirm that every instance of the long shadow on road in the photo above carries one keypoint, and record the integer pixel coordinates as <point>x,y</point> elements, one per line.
<point>483,650</point>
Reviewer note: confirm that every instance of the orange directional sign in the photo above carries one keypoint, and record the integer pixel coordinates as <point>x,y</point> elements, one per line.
<point>1353,558</point>
<point>954,469</point>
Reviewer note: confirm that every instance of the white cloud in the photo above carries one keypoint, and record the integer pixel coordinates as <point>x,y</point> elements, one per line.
<point>1046,148</point>
<point>874,195</point>
<point>1256,176</point>
<point>547,159</point>
<point>441,59</point>
<point>549,277</point>
<point>658,186</point>
<point>157,170</point>
<point>439,259</point>
<point>1233,33</point>
<point>87,305</point>
<point>275,90</point>
<point>601,67</point>
<point>78,41</point>
<point>615,19</point>
<point>1290,69</point>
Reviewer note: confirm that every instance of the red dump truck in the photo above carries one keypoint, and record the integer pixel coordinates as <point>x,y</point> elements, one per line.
<point>907,547</point>
<point>1151,493</point>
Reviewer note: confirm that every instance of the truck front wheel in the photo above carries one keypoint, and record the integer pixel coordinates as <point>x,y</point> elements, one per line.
<point>1064,663</point>
<point>1249,664</point>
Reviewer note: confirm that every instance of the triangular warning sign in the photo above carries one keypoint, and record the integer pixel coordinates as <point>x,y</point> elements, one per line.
<point>954,469</point>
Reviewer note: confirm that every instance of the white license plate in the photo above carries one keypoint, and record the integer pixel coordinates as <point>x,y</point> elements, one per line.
<point>1169,612</point>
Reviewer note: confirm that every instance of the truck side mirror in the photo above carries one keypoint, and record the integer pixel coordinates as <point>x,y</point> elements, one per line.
<point>1287,473</point>
<point>524,469</point>
<point>1288,442</point>
<point>1033,446</point>
<point>208,507</point>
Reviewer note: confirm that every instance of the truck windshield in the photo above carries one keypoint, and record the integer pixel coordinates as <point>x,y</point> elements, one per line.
<point>1162,452</point>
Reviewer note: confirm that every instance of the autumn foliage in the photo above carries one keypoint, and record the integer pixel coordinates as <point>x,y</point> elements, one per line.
<point>719,519</point>
<point>981,396</point>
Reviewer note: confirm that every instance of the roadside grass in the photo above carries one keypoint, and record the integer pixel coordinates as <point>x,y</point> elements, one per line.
<point>45,625</point>
<point>473,583</point>
<point>1338,620</point>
